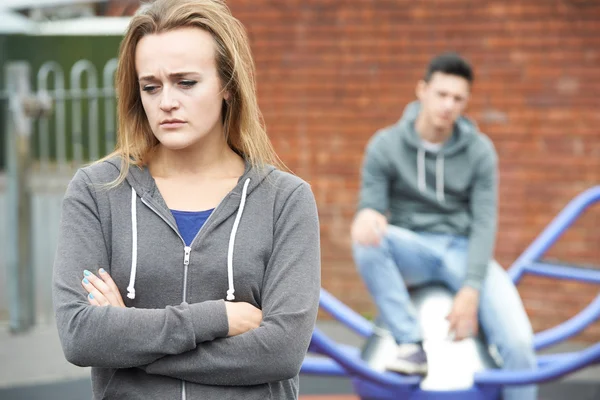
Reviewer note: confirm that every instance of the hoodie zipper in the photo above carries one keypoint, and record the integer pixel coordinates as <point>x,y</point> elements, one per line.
<point>187,250</point>
<point>186,261</point>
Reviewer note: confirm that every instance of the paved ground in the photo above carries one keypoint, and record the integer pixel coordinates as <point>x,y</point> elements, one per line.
<point>32,367</point>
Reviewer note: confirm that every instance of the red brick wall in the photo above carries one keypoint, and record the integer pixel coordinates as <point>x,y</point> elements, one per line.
<point>331,72</point>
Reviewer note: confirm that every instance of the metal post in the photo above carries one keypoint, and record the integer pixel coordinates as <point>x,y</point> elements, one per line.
<point>18,134</point>
<point>23,108</point>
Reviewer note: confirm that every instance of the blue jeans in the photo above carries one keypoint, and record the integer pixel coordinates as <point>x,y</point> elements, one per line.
<point>405,258</point>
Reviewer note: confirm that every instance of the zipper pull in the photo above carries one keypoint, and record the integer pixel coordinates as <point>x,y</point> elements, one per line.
<point>186,258</point>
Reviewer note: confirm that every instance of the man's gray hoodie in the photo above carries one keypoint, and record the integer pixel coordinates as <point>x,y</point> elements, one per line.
<point>453,191</point>
<point>260,245</point>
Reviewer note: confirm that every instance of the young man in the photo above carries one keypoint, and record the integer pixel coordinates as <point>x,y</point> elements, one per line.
<point>427,213</point>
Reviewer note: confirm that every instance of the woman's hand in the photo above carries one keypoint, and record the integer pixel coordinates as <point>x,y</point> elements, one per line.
<point>242,317</point>
<point>102,292</point>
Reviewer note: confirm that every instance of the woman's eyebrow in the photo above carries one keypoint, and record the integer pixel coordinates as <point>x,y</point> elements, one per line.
<point>172,75</point>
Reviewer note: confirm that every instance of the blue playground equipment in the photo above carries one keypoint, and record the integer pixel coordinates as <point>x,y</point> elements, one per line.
<point>369,383</point>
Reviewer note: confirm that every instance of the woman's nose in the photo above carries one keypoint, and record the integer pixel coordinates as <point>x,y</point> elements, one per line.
<point>168,101</point>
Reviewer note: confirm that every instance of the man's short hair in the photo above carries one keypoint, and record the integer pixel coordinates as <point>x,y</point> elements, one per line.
<point>450,63</point>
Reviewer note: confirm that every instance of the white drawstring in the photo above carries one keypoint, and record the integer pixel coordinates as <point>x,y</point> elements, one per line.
<point>238,216</point>
<point>421,170</point>
<point>439,177</point>
<point>130,288</point>
<point>439,174</point>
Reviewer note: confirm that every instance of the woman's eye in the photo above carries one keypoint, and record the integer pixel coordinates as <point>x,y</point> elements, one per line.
<point>149,88</point>
<point>187,84</point>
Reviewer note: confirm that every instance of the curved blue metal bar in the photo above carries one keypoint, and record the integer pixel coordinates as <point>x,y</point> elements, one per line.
<point>555,370</point>
<point>368,391</point>
<point>322,366</point>
<point>528,263</point>
<point>354,365</point>
<point>563,272</point>
<point>349,350</point>
<point>345,314</point>
<point>570,327</point>
<point>326,366</point>
<point>553,231</point>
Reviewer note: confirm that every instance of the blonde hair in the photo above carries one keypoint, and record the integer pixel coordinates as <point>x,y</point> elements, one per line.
<point>243,124</point>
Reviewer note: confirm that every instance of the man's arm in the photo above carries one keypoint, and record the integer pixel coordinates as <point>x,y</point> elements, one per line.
<point>484,211</point>
<point>483,203</point>
<point>370,222</point>
<point>375,179</point>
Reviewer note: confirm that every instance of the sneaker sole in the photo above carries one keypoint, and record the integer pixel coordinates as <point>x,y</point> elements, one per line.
<point>407,368</point>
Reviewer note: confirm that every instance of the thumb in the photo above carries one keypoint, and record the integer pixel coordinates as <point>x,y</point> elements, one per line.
<point>451,317</point>
<point>451,314</point>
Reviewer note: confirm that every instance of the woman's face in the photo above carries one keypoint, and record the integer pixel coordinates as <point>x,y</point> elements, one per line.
<point>179,86</point>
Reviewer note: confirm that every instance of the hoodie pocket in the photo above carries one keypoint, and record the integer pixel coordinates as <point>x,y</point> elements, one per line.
<point>135,384</point>
<point>421,221</point>
<point>254,392</point>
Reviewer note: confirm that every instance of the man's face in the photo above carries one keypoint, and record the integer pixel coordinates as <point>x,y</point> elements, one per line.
<point>443,99</point>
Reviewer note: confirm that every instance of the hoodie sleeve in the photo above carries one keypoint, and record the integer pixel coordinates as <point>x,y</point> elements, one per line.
<point>375,179</point>
<point>484,211</point>
<point>275,350</point>
<point>112,336</point>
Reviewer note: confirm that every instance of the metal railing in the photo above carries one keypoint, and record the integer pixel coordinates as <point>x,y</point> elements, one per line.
<point>50,131</point>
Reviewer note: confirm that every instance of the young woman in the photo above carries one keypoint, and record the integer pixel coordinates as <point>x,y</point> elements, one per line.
<point>188,266</point>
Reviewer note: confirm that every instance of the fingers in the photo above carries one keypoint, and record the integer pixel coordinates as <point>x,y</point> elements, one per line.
<point>242,317</point>
<point>112,285</point>
<point>101,292</point>
<point>452,320</point>
<point>462,327</point>
<point>378,231</point>
<point>95,297</point>
<point>463,332</point>
<point>368,228</point>
<point>369,237</point>
<point>93,301</point>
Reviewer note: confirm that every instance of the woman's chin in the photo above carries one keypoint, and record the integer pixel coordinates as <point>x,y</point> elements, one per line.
<point>175,143</point>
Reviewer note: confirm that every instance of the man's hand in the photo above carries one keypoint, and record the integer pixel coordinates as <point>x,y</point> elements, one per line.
<point>368,227</point>
<point>463,317</point>
<point>242,317</point>
<point>102,292</point>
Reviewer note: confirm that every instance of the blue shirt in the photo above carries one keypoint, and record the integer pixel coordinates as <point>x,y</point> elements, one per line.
<point>190,222</point>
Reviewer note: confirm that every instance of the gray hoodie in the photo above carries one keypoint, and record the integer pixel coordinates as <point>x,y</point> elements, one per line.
<point>453,191</point>
<point>260,245</point>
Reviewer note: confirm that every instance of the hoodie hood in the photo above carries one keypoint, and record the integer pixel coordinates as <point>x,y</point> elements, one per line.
<point>143,185</point>
<point>140,179</point>
<point>464,132</point>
